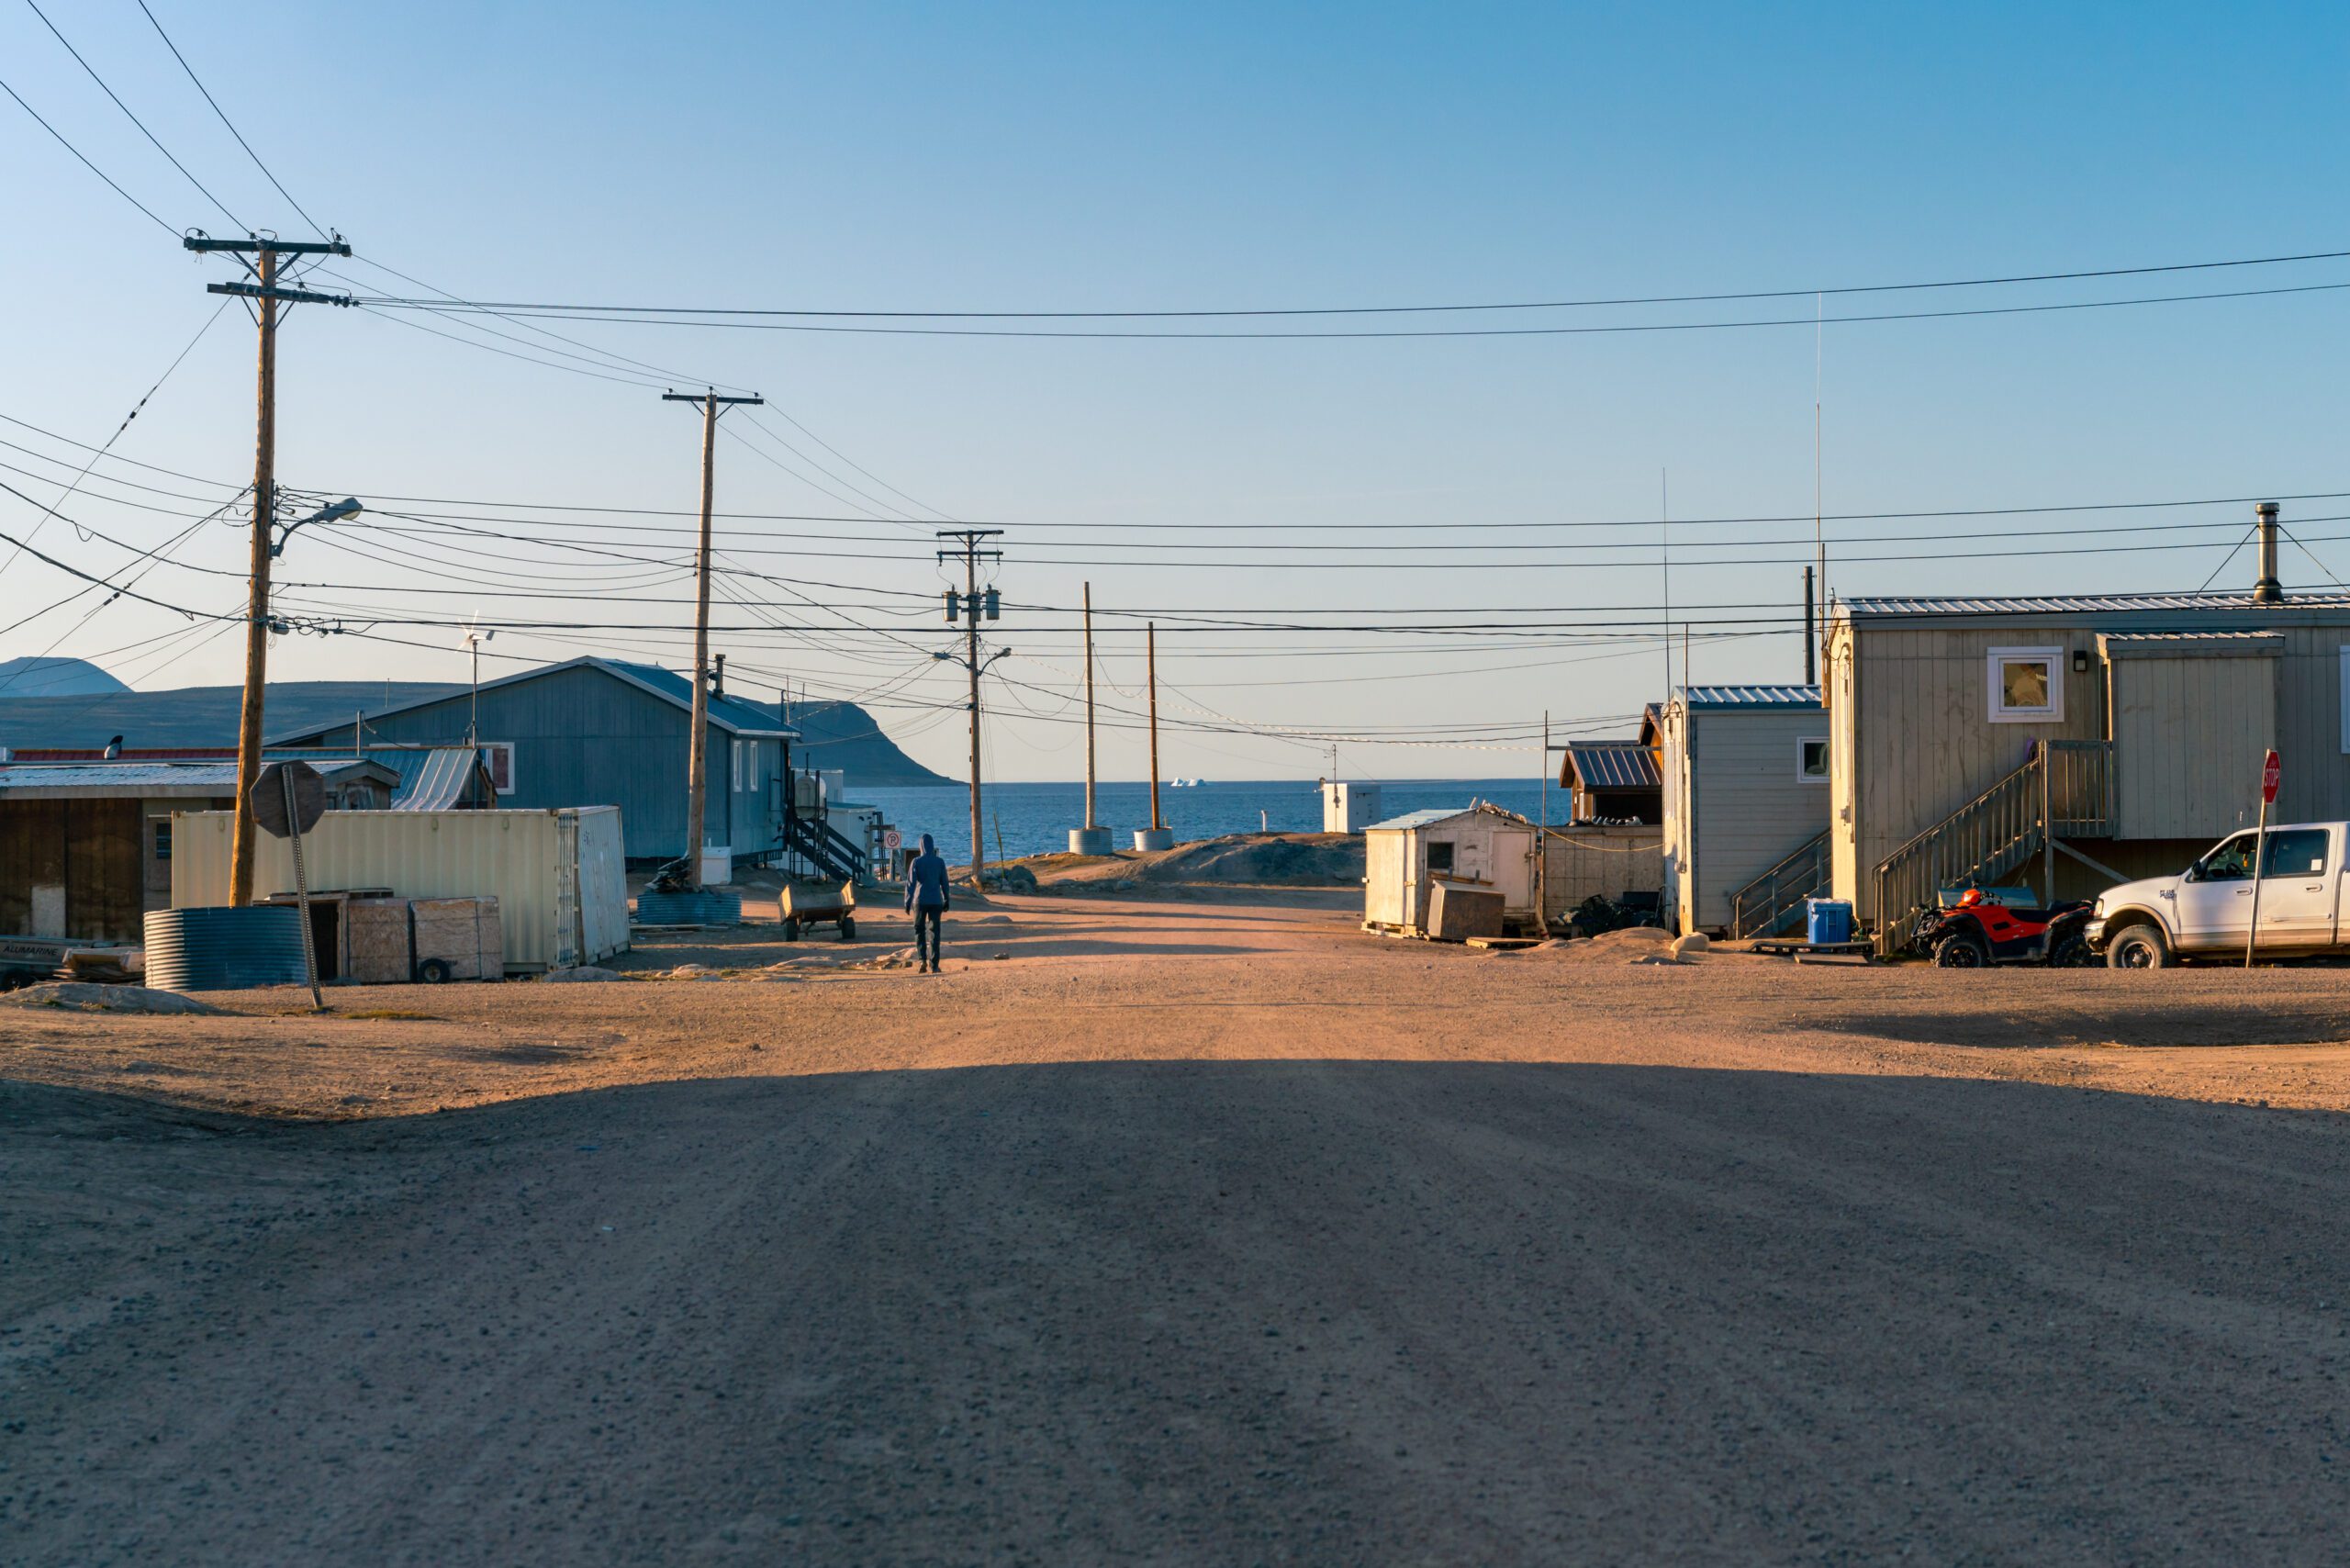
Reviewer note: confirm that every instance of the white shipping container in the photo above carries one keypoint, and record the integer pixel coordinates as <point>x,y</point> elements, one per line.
<point>558,875</point>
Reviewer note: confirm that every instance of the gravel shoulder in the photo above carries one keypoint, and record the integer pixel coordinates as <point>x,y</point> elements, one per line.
<point>1183,1232</point>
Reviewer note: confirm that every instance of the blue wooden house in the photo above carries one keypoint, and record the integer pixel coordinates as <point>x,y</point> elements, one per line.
<point>599,731</point>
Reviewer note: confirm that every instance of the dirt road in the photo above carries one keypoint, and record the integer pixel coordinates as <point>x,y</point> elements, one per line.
<point>1230,1237</point>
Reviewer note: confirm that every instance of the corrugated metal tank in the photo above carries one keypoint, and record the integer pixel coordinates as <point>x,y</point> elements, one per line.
<point>557,875</point>
<point>224,948</point>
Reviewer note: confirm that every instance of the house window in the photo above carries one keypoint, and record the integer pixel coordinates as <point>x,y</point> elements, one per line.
<point>163,826</point>
<point>2027,685</point>
<point>499,757</point>
<point>1440,855</point>
<point>1811,759</point>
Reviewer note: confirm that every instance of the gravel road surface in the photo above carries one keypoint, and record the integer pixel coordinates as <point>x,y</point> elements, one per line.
<point>1491,1262</point>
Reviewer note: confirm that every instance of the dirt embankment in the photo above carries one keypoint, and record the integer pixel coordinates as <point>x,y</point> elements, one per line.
<point>1239,859</point>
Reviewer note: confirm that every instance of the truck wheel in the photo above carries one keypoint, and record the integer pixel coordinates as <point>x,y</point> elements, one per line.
<point>1960,951</point>
<point>433,972</point>
<point>792,928</point>
<point>848,929</point>
<point>2138,948</point>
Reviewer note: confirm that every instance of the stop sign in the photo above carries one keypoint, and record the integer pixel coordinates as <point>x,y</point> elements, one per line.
<point>2271,772</point>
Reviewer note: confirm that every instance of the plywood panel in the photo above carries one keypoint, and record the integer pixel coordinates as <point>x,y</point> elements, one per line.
<point>2188,738</point>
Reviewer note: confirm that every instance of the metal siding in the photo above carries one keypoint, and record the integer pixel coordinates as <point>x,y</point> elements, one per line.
<point>2188,738</point>
<point>417,854</point>
<point>1752,810</point>
<point>1674,731</point>
<point>603,885</point>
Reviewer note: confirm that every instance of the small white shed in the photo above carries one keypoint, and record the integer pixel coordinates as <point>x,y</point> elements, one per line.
<point>1745,794</point>
<point>1348,808</point>
<point>1482,847</point>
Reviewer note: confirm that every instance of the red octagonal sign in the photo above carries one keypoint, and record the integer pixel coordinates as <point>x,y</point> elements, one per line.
<point>2270,772</point>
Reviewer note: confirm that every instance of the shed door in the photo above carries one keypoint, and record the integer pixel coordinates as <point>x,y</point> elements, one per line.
<point>2188,736</point>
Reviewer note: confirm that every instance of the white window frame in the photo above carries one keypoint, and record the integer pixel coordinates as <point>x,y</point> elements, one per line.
<point>1827,761</point>
<point>2054,713</point>
<point>506,748</point>
<point>2345,700</point>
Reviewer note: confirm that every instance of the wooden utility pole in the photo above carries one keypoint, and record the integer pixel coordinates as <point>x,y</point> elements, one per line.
<point>1091,821</point>
<point>1150,664</point>
<point>266,297</point>
<point>698,744</point>
<point>969,610</point>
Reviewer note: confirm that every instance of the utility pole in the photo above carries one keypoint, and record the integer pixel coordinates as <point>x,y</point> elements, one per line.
<point>1091,821</point>
<point>967,610</point>
<point>698,744</point>
<point>1810,636</point>
<point>1150,666</point>
<point>267,297</point>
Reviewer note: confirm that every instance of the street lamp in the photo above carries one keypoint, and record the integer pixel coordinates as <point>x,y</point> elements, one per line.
<point>473,640</point>
<point>347,507</point>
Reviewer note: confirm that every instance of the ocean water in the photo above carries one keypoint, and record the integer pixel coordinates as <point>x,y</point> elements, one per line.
<point>1033,819</point>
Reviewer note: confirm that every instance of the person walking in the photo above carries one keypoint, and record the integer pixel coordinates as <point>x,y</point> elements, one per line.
<point>926,901</point>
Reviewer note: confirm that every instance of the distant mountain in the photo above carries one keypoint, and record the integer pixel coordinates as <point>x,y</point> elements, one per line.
<point>834,735</point>
<point>844,735</point>
<point>34,676</point>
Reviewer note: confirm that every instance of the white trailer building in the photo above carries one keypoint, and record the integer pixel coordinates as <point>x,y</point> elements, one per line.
<point>1746,799</point>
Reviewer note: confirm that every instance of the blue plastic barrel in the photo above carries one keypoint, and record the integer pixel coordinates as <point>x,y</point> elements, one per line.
<point>224,948</point>
<point>1828,921</point>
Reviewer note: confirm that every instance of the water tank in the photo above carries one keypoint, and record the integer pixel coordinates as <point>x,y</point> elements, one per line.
<point>224,948</point>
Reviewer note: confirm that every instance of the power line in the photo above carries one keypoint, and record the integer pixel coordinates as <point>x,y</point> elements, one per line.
<point>2000,281</point>
<point>1610,328</point>
<point>134,119</point>
<point>86,161</point>
<point>224,120</point>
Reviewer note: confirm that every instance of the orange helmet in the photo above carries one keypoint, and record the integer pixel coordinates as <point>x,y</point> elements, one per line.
<point>1969,897</point>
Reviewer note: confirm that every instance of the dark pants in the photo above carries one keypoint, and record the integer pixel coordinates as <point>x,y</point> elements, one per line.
<point>926,934</point>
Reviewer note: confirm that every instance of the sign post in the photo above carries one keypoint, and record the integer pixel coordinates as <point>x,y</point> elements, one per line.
<point>288,798</point>
<point>2272,771</point>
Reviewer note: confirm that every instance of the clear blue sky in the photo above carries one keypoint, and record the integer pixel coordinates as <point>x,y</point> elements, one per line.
<point>1035,157</point>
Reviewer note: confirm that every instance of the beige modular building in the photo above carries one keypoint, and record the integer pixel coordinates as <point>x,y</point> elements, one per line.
<point>558,875</point>
<point>1745,807</point>
<point>2073,741</point>
<point>1482,848</point>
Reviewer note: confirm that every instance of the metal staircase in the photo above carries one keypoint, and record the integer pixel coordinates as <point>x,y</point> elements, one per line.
<point>823,847</point>
<point>1773,902</point>
<point>2063,790</point>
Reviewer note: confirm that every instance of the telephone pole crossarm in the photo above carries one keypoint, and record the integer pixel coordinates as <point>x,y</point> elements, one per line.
<point>291,296</point>
<point>253,244</point>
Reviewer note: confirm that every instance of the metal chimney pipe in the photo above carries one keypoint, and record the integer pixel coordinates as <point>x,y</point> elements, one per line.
<point>2267,589</point>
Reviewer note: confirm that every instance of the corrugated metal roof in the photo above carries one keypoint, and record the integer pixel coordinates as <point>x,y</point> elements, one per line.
<point>1752,695</point>
<point>2077,604</point>
<point>737,715</point>
<point>1421,818</point>
<point>1612,765</point>
<point>2166,638</point>
<point>436,781</point>
<point>157,779</point>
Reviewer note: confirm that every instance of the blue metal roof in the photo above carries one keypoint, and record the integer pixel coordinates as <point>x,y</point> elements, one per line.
<point>1421,818</point>
<point>1752,695</point>
<point>734,714</point>
<point>1612,765</point>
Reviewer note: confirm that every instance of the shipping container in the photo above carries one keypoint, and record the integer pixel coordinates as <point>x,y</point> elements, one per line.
<point>557,875</point>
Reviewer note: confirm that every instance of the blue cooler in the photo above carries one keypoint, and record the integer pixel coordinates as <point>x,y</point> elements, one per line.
<point>1828,921</point>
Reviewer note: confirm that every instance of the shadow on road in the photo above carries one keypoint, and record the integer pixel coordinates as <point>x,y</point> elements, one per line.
<point>1314,1311</point>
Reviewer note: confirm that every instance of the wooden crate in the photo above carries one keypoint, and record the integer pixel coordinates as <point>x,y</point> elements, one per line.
<point>1456,913</point>
<point>382,950</point>
<point>464,933</point>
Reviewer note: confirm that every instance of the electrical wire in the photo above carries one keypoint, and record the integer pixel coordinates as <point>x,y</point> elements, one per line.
<point>86,161</point>
<point>225,120</point>
<point>134,119</point>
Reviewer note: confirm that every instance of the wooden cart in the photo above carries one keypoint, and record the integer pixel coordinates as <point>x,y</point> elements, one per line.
<point>804,904</point>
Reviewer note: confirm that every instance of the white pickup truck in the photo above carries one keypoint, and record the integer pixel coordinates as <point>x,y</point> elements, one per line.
<point>2206,910</point>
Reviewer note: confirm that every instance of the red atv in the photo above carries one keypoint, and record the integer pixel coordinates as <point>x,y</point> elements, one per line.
<point>1976,933</point>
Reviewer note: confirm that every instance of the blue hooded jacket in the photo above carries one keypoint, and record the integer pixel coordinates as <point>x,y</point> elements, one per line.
<point>926,878</point>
